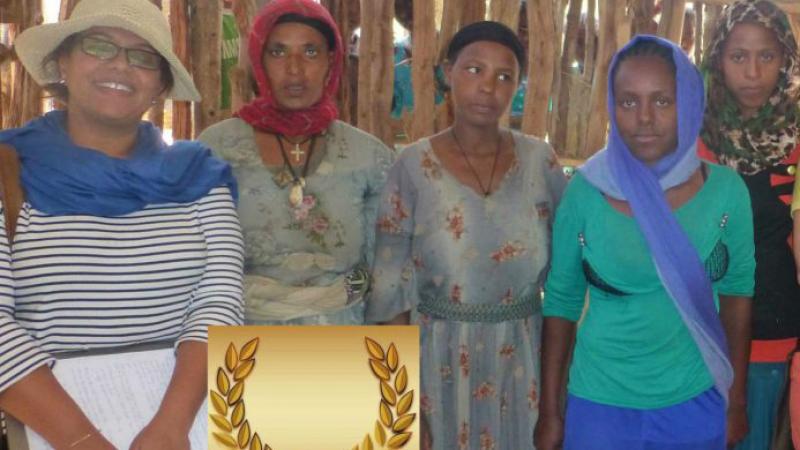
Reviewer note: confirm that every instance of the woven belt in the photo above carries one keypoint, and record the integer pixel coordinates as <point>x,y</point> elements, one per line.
<point>444,309</point>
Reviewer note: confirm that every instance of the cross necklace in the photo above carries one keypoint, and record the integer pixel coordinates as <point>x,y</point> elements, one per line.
<point>298,181</point>
<point>297,152</point>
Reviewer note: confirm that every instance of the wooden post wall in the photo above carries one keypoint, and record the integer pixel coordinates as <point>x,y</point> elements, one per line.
<point>541,57</point>
<point>241,79</point>
<point>25,95</point>
<point>598,114</point>
<point>66,9</point>
<point>671,24</point>
<point>561,99</point>
<point>473,11</point>
<point>206,32</point>
<point>589,57</point>
<point>341,12</point>
<point>451,20</point>
<point>156,113</point>
<point>376,69</point>
<point>643,12</point>
<point>181,111</point>
<point>699,39</point>
<point>424,32</point>
<point>505,12</point>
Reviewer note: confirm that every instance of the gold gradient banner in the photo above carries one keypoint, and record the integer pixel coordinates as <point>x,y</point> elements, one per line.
<point>313,387</point>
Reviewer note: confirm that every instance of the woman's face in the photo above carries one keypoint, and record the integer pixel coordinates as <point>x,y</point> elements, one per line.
<point>483,80</point>
<point>751,62</point>
<point>111,90</point>
<point>645,107</point>
<point>296,61</point>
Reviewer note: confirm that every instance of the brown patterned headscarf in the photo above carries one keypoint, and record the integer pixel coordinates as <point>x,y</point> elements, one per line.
<point>764,140</point>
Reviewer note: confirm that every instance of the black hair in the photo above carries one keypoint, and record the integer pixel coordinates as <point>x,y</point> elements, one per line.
<point>645,48</point>
<point>59,90</point>
<point>487,30</point>
<point>324,29</point>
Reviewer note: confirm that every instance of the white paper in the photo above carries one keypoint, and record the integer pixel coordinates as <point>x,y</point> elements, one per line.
<point>120,393</point>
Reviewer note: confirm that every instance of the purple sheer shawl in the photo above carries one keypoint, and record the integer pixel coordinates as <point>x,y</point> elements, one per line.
<point>617,173</point>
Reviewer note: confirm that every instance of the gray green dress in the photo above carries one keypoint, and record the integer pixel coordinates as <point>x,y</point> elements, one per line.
<point>297,259</point>
<point>473,267</point>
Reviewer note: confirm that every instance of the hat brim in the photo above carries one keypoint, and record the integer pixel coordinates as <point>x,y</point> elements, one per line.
<point>36,43</point>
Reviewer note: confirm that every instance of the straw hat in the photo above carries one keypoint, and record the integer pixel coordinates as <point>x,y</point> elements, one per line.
<point>137,16</point>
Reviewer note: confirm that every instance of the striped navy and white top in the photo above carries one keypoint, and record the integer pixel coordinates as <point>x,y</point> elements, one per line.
<point>80,282</point>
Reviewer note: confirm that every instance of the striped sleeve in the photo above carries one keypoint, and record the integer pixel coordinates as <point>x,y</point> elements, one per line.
<point>217,299</point>
<point>20,354</point>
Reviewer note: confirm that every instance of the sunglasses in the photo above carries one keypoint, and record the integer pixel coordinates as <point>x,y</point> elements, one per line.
<point>105,50</point>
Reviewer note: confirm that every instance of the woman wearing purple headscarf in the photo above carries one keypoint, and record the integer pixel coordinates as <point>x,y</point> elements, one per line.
<point>664,246</point>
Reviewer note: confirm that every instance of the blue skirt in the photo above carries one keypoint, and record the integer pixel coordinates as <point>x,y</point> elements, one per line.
<point>764,388</point>
<point>696,424</point>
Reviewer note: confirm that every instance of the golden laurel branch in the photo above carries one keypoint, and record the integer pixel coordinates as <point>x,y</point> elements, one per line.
<point>394,418</point>
<point>228,398</point>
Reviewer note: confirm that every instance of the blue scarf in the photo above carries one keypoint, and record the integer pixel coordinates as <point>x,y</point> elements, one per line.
<point>61,178</point>
<point>617,173</point>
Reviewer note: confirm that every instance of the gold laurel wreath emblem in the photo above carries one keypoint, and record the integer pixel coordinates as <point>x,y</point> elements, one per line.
<point>228,398</point>
<point>393,410</point>
<point>395,404</point>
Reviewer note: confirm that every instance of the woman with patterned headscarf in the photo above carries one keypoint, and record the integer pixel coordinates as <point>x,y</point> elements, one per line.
<point>309,184</point>
<point>751,124</point>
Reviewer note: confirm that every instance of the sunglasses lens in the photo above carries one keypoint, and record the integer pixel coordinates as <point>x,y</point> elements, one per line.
<point>144,59</point>
<point>99,48</point>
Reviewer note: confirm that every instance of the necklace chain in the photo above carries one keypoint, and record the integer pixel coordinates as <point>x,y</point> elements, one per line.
<point>488,189</point>
<point>286,162</point>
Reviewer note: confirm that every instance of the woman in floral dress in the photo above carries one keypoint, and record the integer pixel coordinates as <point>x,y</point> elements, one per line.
<point>463,237</point>
<point>309,184</point>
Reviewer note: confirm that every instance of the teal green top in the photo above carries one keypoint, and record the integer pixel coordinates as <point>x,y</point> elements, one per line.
<point>633,350</point>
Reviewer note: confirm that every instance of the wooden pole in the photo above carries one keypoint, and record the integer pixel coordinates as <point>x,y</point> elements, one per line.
<point>623,26</point>
<point>712,13</point>
<point>671,24</point>
<point>559,13</point>
<point>206,31</point>
<point>643,12</point>
<point>424,60</point>
<point>181,111</point>
<point>505,12</point>
<point>340,10</point>
<point>376,69</point>
<point>26,95</point>
<point>66,9</point>
<point>591,33</point>
<point>598,115</point>
<point>542,55</point>
<point>561,107</point>
<point>451,20</point>
<point>699,40</point>
<point>473,11</point>
<point>241,79</point>
<point>156,112</point>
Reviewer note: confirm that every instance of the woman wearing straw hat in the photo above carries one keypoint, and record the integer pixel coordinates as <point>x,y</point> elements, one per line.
<point>309,183</point>
<point>121,239</point>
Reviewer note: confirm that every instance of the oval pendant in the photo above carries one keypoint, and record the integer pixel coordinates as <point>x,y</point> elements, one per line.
<point>296,195</point>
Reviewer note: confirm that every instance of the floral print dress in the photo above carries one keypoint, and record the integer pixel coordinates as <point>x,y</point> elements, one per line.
<point>440,241</point>
<point>329,234</point>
